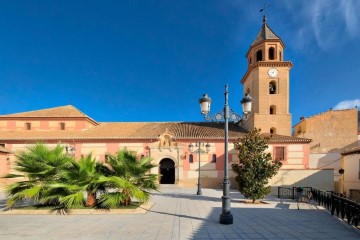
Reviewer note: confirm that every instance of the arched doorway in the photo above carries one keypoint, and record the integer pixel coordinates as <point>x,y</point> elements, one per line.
<point>167,171</point>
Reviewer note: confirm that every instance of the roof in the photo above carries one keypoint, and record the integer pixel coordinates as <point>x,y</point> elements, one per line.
<point>5,150</point>
<point>132,130</point>
<point>353,150</point>
<point>56,112</point>
<point>145,130</point>
<point>275,138</point>
<point>265,34</point>
<point>179,130</point>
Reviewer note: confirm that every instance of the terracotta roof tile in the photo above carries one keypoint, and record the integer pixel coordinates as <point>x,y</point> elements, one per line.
<point>145,130</point>
<point>274,138</point>
<point>351,150</point>
<point>63,111</point>
<point>265,33</point>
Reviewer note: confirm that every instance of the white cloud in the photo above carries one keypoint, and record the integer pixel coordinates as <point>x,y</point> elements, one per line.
<point>347,104</point>
<point>329,23</point>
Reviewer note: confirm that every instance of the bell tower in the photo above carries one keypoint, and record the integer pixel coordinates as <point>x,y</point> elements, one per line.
<point>267,82</point>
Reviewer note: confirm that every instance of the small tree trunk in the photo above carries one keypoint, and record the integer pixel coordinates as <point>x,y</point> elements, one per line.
<point>127,200</point>
<point>253,201</point>
<point>91,199</point>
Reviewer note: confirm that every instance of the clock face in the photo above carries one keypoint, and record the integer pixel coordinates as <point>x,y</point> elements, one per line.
<point>273,72</point>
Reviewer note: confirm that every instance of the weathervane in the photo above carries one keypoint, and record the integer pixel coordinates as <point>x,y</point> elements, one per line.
<point>266,5</point>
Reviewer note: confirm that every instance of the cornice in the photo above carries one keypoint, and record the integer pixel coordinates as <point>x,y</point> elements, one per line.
<point>265,64</point>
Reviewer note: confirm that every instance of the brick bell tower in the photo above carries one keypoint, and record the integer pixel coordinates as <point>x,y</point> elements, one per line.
<point>267,82</point>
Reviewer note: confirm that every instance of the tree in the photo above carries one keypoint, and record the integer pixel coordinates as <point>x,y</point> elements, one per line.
<point>87,176</point>
<point>82,176</point>
<point>40,166</point>
<point>256,167</point>
<point>57,180</point>
<point>125,165</point>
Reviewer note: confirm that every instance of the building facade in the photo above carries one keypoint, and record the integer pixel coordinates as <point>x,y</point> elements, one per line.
<point>350,173</point>
<point>266,80</point>
<point>332,132</point>
<point>167,142</point>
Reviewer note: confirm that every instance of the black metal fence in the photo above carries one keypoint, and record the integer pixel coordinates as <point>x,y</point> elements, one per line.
<point>291,192</point>
<point>344,208</point>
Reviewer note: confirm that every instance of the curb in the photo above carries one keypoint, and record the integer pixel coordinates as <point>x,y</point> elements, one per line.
<point>142,209</point>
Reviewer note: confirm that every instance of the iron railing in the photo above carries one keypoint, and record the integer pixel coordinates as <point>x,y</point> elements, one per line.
<point>342,207</point>
<point>291,192</point>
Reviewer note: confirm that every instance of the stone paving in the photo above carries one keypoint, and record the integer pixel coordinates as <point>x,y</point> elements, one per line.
<point>180,214</point>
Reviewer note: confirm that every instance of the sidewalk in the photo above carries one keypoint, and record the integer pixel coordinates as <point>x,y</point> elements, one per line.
<point>180,214</point>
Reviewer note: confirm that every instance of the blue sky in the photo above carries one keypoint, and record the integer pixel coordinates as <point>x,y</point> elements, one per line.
<point>152,60</point>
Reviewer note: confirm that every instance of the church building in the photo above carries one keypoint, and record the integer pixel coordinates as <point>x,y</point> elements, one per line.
<point>167,143</point>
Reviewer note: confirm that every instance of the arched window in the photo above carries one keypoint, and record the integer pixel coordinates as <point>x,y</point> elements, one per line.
<point>259,56</point>
<point>272,87</point>
<point>280,56</point>
<point>273,130</point>
<point>191,158</point>
<point>271,53</point>
<point>272,109</point>
<point>142,156</point>
<point>249,60</point>
<point>213,160</point>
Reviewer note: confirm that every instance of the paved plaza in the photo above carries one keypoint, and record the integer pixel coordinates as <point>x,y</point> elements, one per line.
<point>178,213</point>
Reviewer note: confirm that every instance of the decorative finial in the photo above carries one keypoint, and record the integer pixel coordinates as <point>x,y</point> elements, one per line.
<point>266,5</point>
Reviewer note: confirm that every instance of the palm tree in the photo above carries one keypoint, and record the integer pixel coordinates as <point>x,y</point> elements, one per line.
<point>58,180</point>
<point>39,165</point>
<point>82,176</point>
<point>87,176</point>
<point>127,166</point>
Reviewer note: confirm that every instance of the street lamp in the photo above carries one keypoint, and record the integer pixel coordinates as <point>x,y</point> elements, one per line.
<point>199,151</point>
<point>224,115</point>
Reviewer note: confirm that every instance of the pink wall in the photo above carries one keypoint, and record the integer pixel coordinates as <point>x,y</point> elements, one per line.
<point>4,164</point>
<point>46,124</point>
<point>11,125</point>
<point>306,150</point>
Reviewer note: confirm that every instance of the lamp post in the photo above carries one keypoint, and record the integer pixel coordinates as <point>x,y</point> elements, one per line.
<point>224,115</point>
<point>199,151</point>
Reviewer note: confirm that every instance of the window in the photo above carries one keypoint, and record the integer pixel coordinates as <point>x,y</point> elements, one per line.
<point>271,53</point>
<point>272,109</point>
<point>273,130</point>
<point>28,126</point>
<point>191,158</point>
<point>279,153</point>
<point>280,56</point>
<point>106,157</point>
<point>249,60</point>
<point>213,160</point>
<point>272,87</point>
<point>62,126</point>
<point>2,144</point>
<point>142,156</point>
<point>259,56</point>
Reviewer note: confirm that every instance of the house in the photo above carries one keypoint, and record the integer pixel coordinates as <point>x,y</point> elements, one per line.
<point>331,132</point>
<point>350,173</point>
